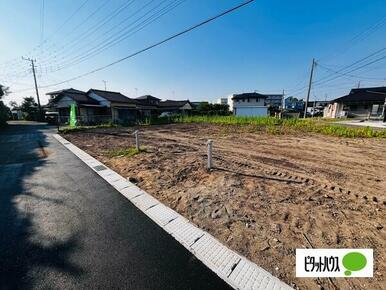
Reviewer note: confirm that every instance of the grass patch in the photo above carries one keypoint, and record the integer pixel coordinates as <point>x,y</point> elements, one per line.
<point>279,126</point>
<point>69,129</point>
<point>128,152</point>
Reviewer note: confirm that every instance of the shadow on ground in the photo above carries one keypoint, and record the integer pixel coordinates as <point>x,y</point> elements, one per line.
<point>22,153</point>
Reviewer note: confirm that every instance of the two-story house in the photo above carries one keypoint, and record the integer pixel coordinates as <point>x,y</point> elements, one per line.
<point>248,104</point>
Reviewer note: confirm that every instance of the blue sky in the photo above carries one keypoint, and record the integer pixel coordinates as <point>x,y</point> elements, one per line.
<point>266,46</point>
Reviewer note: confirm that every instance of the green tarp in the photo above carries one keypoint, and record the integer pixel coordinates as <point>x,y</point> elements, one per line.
<point>73,115</point>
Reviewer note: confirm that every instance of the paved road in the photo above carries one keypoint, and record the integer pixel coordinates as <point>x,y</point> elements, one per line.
<point>63,227</point>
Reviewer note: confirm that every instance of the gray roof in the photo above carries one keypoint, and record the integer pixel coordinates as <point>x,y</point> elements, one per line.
<point>70,90</point>
<point>373,95</point>
<point>248,95</point>
<point>173,105</point>
<point>115,97</point>
<point>147,97</point>
<point>78,96</point>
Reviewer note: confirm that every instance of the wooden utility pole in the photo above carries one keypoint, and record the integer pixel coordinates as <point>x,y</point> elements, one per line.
<point>36,84</point>
<point>309,88</point>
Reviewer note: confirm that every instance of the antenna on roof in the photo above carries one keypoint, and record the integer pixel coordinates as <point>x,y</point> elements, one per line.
<point>105,84</point>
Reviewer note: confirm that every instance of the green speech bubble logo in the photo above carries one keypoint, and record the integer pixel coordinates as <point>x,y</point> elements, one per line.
<point>354,261</point>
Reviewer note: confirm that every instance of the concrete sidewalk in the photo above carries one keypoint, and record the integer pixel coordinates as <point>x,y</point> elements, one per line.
<point>64,227</point>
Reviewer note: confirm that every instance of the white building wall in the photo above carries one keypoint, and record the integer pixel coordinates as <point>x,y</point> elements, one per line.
<point>251,111</point>
<point>253,107</point>
<point>251,102</point>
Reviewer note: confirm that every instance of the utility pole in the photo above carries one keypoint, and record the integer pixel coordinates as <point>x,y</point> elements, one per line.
<point>282,102</point>
<point>105,84</point>
<point>36,84</point>
<point>359,84</point>
<point>309,87</point>
<point>384,112</point>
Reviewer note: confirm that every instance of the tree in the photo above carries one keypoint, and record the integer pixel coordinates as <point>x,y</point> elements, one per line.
<point>4,91</point>
<point>4,110</point>
<point>13,104</point>
<point>205,108</point>
<point>29,108</point>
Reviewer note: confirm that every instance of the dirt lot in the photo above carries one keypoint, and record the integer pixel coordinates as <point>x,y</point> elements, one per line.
<point>268,195</point>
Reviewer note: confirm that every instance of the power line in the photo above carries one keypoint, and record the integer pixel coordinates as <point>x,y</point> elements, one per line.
<point>109,34</point>
<point>16,59</point>
<point>349,75</point>
<point>359,37</point>
<point>90,31</point>
<point>67,20</point>
<point>320,82</point>
<point>42,22</point>
<point>357,62</point>
<point>344,69</point>
<point>105,44</point>
<point>155,44</point>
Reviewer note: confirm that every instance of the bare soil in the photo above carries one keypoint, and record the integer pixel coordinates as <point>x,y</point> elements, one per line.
<point>268,194</point>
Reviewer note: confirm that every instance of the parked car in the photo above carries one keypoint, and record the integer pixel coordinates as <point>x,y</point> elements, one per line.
<point>51,117</point>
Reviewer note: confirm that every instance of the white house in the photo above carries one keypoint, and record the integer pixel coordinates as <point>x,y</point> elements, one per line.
<point>248,104</point>
<point>222,101</point>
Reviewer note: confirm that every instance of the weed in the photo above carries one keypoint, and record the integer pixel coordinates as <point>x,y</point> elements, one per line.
<point>278,126</point>
<point>66,130</point>
<point>129,152</point>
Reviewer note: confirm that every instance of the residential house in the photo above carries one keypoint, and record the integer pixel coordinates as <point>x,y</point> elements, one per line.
<point>88,109</point>
<point>248,104</point>
<point>222,101</point>
<point>16,113</point>
<point>147,106</point>
<point>152,106</point>
<point>293,104</point>
<point>198,103</point>
<point>98,106</point>
<point>175,107</point>
<point>121,108</point>
<point>363,103</point>
<point>274,101</point>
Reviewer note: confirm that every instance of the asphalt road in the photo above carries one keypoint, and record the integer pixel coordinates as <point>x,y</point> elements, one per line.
<point>64,227</point>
